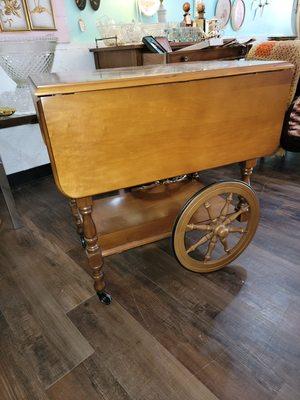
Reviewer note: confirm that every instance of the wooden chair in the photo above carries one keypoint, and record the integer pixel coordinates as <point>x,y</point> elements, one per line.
<point>285,51</point>
<point>290,138</point>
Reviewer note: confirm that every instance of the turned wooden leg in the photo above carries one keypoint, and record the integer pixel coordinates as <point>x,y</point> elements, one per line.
<point>93,250</point>
<point>77,218</point>
<point>247,170</point>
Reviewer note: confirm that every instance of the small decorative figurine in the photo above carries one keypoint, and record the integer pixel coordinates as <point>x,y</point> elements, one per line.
<point>200,20</point>
<point>162,13</point>
<point>200,9</point>
<point>187,19</point>
<point>212,28</point>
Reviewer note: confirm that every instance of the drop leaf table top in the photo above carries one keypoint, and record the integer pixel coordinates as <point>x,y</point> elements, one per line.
<point>60,83</point>
<point>118,128</point>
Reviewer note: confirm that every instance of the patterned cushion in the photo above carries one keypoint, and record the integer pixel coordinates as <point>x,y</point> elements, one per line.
<point>288,50</point>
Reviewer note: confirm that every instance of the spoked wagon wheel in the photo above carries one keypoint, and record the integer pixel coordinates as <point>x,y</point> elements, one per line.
<point>215,226</point>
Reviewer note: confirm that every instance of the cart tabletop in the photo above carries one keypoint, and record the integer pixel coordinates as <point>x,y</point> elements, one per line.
<point>114,129</point>
<point>82,81</point>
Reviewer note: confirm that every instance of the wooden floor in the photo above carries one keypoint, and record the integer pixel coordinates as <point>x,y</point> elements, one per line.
<point>169,334</point>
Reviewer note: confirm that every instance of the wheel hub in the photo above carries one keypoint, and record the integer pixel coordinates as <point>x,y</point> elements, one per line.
<point>221,231</point>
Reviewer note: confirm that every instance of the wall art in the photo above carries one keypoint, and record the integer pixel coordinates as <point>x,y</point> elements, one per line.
<point>13,16</point>
<point>40,14</point>
<point>148,7</point>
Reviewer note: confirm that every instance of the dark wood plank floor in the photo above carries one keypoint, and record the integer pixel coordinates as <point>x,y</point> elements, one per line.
<point>169,334</point>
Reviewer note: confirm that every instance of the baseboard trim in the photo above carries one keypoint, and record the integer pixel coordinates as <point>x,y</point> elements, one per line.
<point>23,177</point>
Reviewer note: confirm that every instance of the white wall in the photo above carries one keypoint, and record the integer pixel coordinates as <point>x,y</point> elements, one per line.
<point>22,147</point>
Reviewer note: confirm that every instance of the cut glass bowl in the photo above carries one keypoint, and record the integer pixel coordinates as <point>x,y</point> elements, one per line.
<point>19,59</point>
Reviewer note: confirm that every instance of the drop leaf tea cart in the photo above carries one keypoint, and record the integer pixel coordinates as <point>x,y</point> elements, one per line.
<point>112,131</point>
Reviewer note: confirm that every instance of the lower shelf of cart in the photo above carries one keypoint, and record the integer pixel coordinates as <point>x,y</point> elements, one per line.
<point>134,218</point>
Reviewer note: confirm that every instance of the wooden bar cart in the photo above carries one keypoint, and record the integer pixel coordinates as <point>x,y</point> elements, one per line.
<point>122,133</point>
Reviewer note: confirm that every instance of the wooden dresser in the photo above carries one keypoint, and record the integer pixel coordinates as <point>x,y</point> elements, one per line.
<point>136,55</point>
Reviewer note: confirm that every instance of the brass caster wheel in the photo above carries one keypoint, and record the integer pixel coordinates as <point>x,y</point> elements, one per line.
<point>104,298</point>
<point>215,226</point>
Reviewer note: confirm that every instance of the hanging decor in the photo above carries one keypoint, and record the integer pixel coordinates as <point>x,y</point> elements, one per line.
<point>13,16</point>
<point>25,15</point>
<point>149,7</point>
<point>223,10</point>
<point>259,6</point>
<point>80,4</point>
<point>95,4</point>
<point>238,14</point>
<point>40,14</point>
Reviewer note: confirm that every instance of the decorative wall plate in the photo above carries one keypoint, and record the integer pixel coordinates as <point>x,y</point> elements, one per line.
<point>223,10</point>
<point>238,13</point>
<point>148,7</point>
<point>95,4</point>
<point>80,4</point>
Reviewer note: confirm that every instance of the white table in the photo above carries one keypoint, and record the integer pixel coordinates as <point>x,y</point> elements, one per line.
<point>9,124</point>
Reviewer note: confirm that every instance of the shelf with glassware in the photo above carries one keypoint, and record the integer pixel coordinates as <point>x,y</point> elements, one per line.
<point>120,45</point>
<point>137,54</point>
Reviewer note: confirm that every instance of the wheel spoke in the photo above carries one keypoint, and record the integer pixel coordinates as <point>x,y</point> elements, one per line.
<point>225,208</point>
<point>211,247</point>
<point>235,215</point>
<point>207,206</point>
<point>201,222</point>
<point>236,229</point>
<point>225,245</point>
<point>200,242</point>
<point>199,227</point>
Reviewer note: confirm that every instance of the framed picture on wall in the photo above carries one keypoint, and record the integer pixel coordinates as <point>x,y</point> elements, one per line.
<point>40,13</point>
<point>148,7</point>
<point>238,14</point>
<point>13,16</point>
<point>223,10</point>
